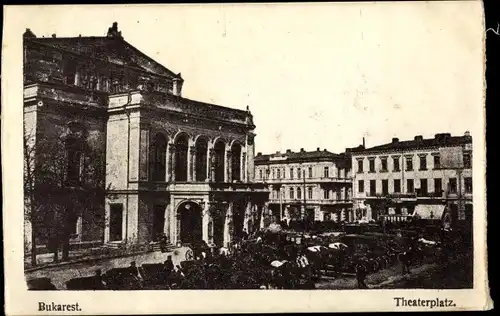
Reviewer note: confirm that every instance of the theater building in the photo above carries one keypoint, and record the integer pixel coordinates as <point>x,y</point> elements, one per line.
<point>431,178</point>
<point>309,185</point>
<point>166,164</point>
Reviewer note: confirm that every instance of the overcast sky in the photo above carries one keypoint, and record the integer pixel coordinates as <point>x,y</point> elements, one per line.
<point>317,75</point>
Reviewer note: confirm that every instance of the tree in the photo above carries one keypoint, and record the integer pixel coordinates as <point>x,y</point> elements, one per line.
<point>63,175</point>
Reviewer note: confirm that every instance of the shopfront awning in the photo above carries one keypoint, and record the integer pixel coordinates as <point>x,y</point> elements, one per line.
<point>426,211</point>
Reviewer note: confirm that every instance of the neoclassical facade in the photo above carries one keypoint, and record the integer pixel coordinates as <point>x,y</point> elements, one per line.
<point>423,176</point>
<point>307,185</point>
<point>166,164</point>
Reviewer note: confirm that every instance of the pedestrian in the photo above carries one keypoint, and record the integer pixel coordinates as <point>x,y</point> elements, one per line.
<point>361,272</point>
<point>136,274</point>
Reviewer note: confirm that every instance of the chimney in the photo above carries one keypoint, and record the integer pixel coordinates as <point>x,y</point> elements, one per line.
<point>288,151</point>
<point>277,153</point>
<point>259,154</point>
<point>54,35</point>
<point>324,150</point>
<point>395,140</point>
<point>467,134</point>
<point>317,149</point>
<point>419,138</point>
<point>302,150</point>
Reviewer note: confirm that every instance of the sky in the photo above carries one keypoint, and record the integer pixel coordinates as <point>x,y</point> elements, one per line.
<point>314,75</point>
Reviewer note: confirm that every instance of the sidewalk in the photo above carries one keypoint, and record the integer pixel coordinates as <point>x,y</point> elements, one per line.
<point>61,273</point>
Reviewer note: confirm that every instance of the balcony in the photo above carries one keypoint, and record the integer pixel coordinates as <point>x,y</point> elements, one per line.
<point>311,201</point>
<point>430,195</point>
<point>308,180</point>
<point>395,218</point>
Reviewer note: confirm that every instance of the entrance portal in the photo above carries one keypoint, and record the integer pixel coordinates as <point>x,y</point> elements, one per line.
<point>190,216</point>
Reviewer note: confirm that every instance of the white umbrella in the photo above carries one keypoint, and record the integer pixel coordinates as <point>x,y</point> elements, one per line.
<point>277,263</point>
<point>337,245</point>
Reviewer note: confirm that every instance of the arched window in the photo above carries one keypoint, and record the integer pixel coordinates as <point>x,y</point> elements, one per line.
<point>299,193</point>
<point>74,152</point>
<point>201,159</point>
<point>159,158</point>
<point>236,162</point>
<point>291,194</point>
<point>181,153</point>
<point>219,161</point>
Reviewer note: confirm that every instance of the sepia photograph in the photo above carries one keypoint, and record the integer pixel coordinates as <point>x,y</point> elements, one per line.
<point>284,148</point>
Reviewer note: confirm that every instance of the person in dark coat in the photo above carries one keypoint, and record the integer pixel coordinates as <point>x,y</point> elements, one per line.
<point>361,273</point>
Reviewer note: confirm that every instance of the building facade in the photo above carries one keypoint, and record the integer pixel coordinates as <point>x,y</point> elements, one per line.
<point>431,178</point>
<point>115,123</point>
<point>310,185</point>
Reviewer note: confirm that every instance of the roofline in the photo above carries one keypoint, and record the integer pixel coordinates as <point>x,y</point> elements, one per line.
<point>36,40</point>
<point>393,150</point>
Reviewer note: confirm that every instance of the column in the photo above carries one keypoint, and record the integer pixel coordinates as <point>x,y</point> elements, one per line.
<point>144,152</point>
<point>227,174</point>
<point>248,217</point>
<point>166,225</point>
<point>171,168</point>
<point>190,163</point>
<point>168,159</point>
<point>205,221</point>
<point>243,167</point>
<point>194,152</point>
<point>211,165</point>
<point>250,152</point>
<point>228,223</point>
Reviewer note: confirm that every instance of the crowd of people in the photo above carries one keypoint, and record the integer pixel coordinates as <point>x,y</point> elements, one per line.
<point>266,260</point>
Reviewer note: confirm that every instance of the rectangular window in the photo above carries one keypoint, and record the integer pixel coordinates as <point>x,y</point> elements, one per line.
<point>273,175</point>
<point>384,164</point>
<point>373,188</point>
<point>74,166</point>
<point>423,163</point>
<point>372,165</point>
<point>292,193</point>
<point>409,186</point>
<point>468,184</point>
<point>453,185</point>
<point>397,186</point>
<point>409,163</point>
<point>467,161</point>
<point>115,222</point>
<point>361,186</point>
<point>423,187</point>
<point>438,185</point>
<point>395,161</point>
<point>385,187</point>
<point>279,173</point>
<point>299,193</point>
<point>298,173</point>
<point>360,166</point>
<point>310,193</point>
<point>437,162</point>
<point>326,172</point>
<point>310,171</point>
<point>326,194</point>
<point>291,173</point>
<point>260,173</point>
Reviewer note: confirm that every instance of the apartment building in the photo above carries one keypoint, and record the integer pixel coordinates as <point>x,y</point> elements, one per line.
<point>431,178</point>
<point>310,185</point>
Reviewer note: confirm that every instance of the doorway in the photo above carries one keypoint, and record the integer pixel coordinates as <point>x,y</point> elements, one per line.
<point>158,221</point>
<point>190,216</point>
<point>115,222</point>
